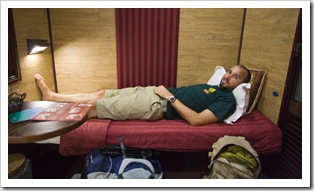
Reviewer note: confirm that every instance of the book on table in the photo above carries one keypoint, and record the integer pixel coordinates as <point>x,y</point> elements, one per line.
<point>57,111</point>
<point>61,111</point>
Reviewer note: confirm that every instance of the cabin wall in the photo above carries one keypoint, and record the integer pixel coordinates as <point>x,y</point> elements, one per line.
<point>32,24</point>
<point>267,45</point>
<point>85,48</point>
<point>207,38</point>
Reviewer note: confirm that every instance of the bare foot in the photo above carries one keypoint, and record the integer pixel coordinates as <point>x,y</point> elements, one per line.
<point>45,91</point>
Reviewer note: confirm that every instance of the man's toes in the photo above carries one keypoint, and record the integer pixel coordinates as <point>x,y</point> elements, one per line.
<point>38,77</point>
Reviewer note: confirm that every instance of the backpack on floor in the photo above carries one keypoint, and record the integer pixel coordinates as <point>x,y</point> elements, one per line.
<point>114,162</point>
<point>233,158</point>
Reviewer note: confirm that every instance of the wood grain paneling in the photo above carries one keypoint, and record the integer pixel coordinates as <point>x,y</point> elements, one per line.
<point>85,49</point>
<point>207,38</point>
<point>267,45</point>
<point>32,24</point>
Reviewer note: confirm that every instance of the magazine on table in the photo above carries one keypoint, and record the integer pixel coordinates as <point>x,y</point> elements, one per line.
<point>61,111</point>
<point>57,111</point>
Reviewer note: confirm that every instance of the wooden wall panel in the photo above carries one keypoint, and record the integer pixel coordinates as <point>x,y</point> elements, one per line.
<point>32,24</point>
<point>85,49</point>
<point>207,38</point>
<point>267,45</point>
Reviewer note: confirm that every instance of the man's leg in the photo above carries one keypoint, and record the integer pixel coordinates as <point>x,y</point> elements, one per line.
<point>137,103</point>
<point>48,95</point>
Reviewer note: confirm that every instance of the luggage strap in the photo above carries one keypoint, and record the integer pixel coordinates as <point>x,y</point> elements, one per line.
<point>122,147</point>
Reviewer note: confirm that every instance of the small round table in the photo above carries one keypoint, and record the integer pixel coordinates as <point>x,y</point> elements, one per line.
<point>32,131</point>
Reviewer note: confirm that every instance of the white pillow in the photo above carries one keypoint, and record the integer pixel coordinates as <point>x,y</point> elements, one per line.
<point>216,77</point>
<point>241,94</point>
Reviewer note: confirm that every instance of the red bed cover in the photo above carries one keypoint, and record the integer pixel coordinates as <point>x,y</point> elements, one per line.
<point>171,135</point>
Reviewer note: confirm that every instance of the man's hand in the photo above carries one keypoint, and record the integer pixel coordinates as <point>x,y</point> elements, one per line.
<point>192,117</point>
<point>163,92</point>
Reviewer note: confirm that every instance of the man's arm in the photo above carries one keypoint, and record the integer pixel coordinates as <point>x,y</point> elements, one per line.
<point>192,117</point>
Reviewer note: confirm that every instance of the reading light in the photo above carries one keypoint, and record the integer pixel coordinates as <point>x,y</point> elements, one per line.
<point>36,46</point>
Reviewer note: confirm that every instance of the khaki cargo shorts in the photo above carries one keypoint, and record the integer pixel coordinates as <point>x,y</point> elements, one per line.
<point>137,103</point>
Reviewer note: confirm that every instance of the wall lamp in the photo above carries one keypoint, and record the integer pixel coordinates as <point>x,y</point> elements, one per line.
<point>35,46</point>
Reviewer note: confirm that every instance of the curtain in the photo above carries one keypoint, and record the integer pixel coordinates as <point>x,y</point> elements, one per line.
<point>147,46</point>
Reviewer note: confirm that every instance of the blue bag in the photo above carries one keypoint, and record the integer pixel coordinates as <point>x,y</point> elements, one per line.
<point>111,163</point>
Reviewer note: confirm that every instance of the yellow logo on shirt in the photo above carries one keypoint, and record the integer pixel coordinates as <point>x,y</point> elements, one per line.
<point>210,90</point>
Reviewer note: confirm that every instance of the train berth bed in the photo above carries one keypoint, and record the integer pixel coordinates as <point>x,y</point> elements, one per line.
<point>171,135</point>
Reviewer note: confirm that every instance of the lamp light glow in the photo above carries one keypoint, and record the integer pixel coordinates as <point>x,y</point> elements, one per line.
<point>36,46</point>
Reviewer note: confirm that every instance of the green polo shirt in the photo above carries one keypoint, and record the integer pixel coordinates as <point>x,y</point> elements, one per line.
<point>199,97</point>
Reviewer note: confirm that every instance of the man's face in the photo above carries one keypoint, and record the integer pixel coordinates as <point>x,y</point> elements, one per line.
<point>232,78</point>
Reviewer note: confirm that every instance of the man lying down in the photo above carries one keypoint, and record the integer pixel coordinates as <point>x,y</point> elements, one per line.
<point>197,104</point>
